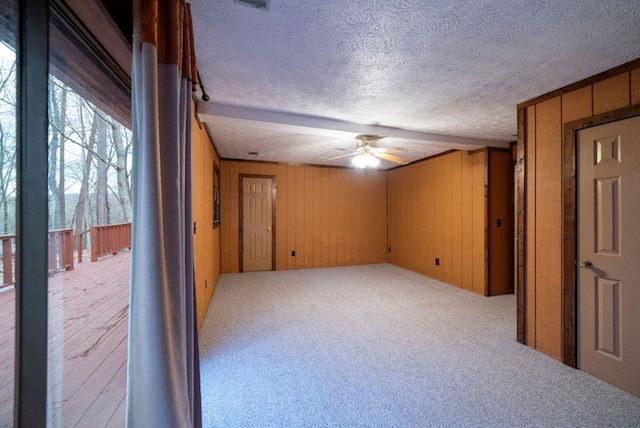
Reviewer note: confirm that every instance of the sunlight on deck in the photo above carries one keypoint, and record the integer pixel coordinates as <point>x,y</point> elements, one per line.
<point>88,314</point>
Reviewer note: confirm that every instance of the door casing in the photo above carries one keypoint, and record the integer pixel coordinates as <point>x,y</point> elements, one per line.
<point>241,219</point>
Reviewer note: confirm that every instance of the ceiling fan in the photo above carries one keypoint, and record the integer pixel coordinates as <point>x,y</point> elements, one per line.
<point>367,152</point>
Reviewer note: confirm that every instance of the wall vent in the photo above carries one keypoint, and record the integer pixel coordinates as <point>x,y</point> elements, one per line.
<point>257,4</point>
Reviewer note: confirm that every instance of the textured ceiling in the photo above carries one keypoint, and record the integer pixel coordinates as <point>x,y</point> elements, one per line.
<point>442,67</point>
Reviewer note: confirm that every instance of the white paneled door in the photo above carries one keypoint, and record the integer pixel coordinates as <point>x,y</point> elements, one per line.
<point>609,252</point>
<point>257,224</point>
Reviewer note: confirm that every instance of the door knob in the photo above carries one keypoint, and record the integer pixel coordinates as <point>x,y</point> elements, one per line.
<point>586,264</point>
<point>269,229</point>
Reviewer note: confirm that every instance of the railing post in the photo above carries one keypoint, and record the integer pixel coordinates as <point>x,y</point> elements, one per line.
<point>113,239</point>
<point>79,247</point>
<point>7,262</point>
<point>51,265</point>
<point>95,243</point>
<point>68,239</point>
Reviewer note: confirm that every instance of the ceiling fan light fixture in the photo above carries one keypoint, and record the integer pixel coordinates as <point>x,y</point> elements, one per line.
<point>365,161</point>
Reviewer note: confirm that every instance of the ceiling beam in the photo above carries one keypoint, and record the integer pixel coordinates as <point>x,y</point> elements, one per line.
<point>230,115</point>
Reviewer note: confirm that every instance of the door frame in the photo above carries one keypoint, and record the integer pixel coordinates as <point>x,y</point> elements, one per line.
<point>570,224</point>
<point>241,218</point>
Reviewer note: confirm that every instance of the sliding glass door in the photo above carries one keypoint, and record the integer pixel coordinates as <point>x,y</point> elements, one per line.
<point>89,217</point>
<point>65,216</point>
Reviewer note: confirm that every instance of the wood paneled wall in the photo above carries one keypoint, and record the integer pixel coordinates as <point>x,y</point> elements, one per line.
<point>206,240</point>
<point>543,137</point>
<point>328,216</point>
<point>437,210</point>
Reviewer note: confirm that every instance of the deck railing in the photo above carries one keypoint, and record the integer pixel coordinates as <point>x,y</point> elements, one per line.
<point>104,240</point>
<point>109,239</point>
<point>60,254</point>
<point>79,237</point>
<point>7,259</point>
<point>60,250</point>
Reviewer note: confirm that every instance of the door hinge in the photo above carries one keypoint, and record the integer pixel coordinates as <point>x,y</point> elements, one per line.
<point>194,227</point>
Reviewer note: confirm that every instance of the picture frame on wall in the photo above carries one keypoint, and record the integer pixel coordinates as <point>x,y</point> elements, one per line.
<point>216,195</point>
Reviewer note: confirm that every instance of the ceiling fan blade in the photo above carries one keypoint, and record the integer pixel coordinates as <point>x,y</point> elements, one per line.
<point>392,158</point>
<point>390,150</point>
<point>341,156</point>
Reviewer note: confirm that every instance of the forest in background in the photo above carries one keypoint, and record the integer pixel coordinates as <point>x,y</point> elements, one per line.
<point>89,171</point>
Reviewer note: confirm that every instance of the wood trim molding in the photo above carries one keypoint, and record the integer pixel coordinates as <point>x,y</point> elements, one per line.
<point>520,226</point>
<point>487,226</point>
<point>482,149</point>
<point>424,160</point>
<point>241,213</point>
<point>570,224</point>
<point>582,83</point>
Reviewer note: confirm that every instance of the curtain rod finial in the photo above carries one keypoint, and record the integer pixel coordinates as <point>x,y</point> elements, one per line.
<point>205,96</point>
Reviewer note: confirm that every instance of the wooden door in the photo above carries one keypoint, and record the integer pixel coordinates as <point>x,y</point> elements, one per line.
<point>609,252</point>
<point>257,224</point>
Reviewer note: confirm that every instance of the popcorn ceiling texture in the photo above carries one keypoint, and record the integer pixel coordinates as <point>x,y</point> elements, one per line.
<point>441,66</point>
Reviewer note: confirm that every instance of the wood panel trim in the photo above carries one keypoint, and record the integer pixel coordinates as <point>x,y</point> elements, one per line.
<point>485,149</point>
<point>521,228</point>
<point>570,224</point>
<point>582,83</point>
<point>448,152</point>
<point>241,214</point>
<point>216,171</point>
<point>487,264</point>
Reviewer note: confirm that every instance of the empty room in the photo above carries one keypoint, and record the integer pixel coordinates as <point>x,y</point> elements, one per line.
<point>270,213</point>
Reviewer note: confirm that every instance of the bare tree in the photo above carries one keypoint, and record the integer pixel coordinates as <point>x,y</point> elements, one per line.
<point>101,173</point>
<point>62,221</point>
<point>54,143</point>
<point>124,197</point>
<point>7,145</point>
<point>87,158</point>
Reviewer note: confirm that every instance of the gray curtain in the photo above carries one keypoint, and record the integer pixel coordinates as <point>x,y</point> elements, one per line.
<point>163,378</point>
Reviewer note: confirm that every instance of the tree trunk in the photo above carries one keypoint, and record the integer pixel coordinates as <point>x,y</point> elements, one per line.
<point>86,173</point>
<point>7,147</point>
<point>121,169</point>
<point>3,179</point>
<point>101,172</point>
<point>62,220</point>
<point>54,118</point>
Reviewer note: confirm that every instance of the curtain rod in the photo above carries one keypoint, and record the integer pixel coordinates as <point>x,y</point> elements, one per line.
<point>205,96</point>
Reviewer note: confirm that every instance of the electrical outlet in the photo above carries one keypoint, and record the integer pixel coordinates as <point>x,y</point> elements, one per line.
<point>437,261</point>
<point>293,253</point>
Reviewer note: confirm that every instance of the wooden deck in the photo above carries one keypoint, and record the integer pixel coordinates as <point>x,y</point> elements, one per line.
<point>88,314</point>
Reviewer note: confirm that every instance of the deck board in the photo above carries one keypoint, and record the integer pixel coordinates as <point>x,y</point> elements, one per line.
<point>88,316</point>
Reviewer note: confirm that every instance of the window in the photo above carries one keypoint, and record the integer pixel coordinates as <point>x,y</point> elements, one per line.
<point>77,373</point>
